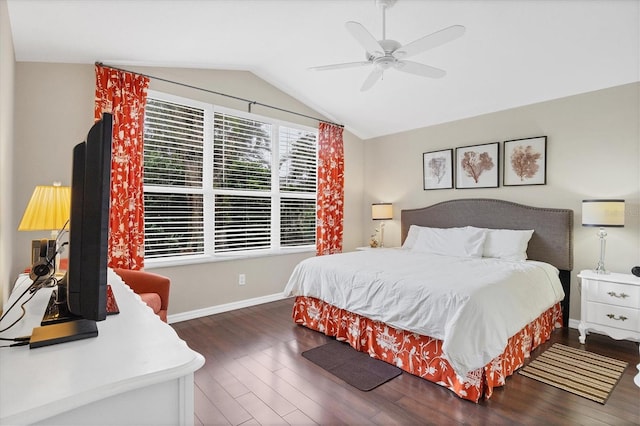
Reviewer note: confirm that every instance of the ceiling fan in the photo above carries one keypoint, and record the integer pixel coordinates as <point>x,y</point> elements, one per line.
<point>386,53</point>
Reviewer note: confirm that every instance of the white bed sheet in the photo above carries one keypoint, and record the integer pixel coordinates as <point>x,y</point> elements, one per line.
<point>474,305</point>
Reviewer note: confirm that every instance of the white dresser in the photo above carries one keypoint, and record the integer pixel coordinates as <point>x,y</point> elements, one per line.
<point>610,304</point>
<point>136,372</point>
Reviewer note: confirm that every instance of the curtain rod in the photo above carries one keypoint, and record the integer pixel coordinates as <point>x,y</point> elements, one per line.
<point>248,101</point>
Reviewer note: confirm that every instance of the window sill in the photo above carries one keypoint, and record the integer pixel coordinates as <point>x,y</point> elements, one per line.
<point>197,259</point>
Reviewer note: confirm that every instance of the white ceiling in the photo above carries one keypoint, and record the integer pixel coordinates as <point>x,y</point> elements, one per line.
<point>514,52</point>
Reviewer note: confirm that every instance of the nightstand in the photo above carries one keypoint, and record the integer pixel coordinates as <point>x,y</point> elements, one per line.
<point>610,303</point>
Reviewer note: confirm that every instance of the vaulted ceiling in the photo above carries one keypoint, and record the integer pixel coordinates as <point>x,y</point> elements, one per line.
<point>513,53</point>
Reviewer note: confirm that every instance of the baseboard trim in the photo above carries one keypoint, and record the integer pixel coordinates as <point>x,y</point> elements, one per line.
<point>199,313</point>
<point>573,323</point>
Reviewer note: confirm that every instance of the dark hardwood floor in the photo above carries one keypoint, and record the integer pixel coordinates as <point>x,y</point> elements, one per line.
<point>254,374</point>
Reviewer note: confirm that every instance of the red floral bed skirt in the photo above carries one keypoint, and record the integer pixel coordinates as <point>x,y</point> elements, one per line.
<point>422,355</point>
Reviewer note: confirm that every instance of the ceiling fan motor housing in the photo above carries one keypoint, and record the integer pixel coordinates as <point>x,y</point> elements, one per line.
<point>385,4</point>
<point>389,46</point>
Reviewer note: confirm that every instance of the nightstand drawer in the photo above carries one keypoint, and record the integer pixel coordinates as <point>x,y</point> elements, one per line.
<point>613,316</point>
<point>614,294</point>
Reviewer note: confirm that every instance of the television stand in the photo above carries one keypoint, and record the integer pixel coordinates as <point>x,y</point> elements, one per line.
<point>62,332</point>
<point>56,311</point>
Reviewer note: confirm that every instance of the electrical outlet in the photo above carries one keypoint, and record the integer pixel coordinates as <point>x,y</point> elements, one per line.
<point>242,279</point>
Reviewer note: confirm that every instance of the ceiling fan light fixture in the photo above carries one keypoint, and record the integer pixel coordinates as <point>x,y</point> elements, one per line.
<point>385,62</point>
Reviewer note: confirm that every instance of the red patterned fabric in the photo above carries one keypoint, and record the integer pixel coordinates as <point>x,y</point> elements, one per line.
<point>124,95</point>
<point>422,355</point>
<point>330,203</point>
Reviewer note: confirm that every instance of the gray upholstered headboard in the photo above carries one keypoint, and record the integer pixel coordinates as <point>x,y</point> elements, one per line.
<point>552,241</point>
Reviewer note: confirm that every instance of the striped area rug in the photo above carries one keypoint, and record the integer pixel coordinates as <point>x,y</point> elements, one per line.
<point>577,371</point>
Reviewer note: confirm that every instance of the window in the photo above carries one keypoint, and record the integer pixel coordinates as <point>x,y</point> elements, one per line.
<point>218,181</point>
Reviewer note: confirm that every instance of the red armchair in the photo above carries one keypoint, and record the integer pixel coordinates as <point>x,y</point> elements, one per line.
<point>152,288</point>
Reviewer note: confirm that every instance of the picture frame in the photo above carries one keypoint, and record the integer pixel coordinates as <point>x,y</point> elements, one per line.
<point>525,162</point>
<point>437,169</point>
<point>477,166</point>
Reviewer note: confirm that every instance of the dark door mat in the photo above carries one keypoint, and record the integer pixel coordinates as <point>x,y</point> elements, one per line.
<point>356,368</point>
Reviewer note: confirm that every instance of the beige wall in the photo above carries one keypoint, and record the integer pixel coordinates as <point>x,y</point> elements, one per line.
<point>593,151</point>
<point>54,110</point>
<point>7,231</point>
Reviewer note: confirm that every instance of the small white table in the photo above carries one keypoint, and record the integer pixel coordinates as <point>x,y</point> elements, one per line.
<point>137,371</point>
<point>610,304</point>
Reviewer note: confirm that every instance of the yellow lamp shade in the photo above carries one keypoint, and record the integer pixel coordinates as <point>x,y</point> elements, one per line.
<point>382,211</point>
<point>48,209</point>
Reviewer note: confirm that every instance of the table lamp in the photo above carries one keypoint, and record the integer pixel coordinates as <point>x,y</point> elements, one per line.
<point>602,213</point>
<point>48,210</point>
<point>382,212</point>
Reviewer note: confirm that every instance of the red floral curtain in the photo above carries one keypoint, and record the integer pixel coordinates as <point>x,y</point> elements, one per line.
<point>124,95</point>
<point>330,203</point>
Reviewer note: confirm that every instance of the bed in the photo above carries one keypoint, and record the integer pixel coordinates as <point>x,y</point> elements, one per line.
<point>465,322</point>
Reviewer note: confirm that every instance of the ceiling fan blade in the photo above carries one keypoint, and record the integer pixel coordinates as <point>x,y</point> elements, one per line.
<point>420,69</point>
<point>429,41</point>
<point>371,80</point>
<point>339,66</point>
<point>365,38</point>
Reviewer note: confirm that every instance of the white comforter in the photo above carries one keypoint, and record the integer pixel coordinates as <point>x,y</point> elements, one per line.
<point>474,305</point>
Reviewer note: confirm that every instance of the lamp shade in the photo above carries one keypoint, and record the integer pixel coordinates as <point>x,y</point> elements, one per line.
<point>609,213</point>
<point>48,209</point>
<point>382,211</point>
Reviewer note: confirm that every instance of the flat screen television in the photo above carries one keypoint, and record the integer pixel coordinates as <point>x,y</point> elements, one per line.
<point>82,292</point>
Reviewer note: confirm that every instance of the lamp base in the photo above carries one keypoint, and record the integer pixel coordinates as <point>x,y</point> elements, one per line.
<point>602,234</point>
<point>600,270</point>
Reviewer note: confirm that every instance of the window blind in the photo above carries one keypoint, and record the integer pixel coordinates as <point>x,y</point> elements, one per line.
<point>241,153</point>
<point>223,181</point>
<point>173,144</point>
<point>298,154</point>
<point>298,223</point>
<point>173,150</point>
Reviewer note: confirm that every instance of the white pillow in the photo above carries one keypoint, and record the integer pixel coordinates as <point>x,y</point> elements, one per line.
<point>507,244</point>
<point>412,236</point>
<point>459,242</point>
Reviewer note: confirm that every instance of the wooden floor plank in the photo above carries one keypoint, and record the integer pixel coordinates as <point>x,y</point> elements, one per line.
<point>206,412</point>
<point>262,383</point>
<point>262,413</point>
<point>221,399</point>
<point>254,374</point>
<point>298,418</point>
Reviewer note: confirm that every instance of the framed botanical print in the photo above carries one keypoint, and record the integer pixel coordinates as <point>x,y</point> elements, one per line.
<point>525,161</point>
<point>477,166</point>
<point>438,169</point>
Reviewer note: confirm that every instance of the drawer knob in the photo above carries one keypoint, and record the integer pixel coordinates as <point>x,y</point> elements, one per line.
<point>619,296</point>
<point>620,318</point>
